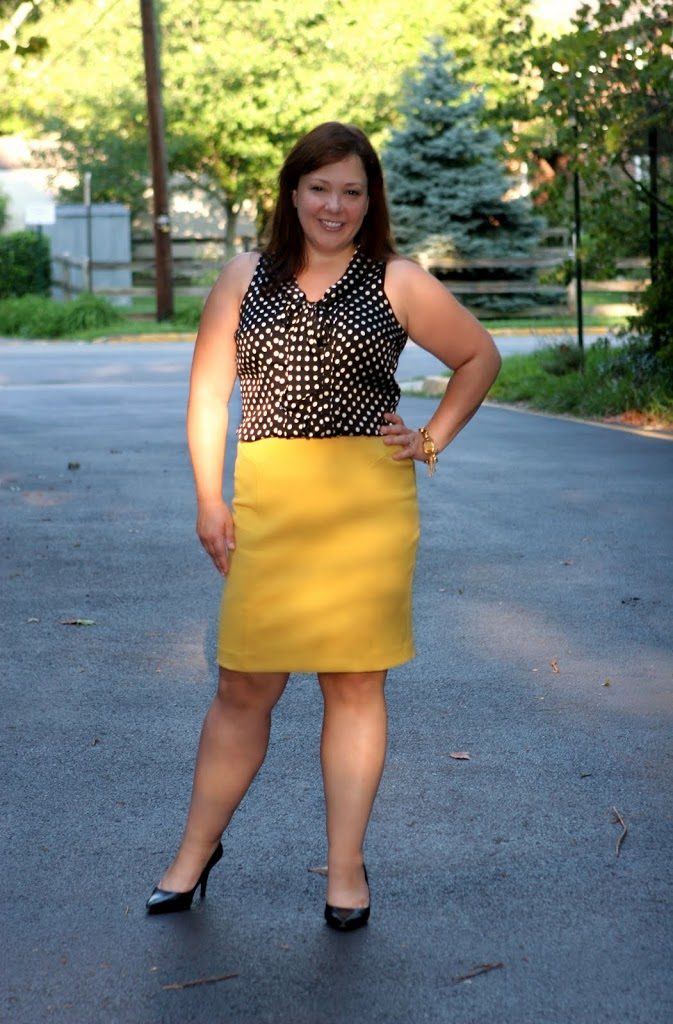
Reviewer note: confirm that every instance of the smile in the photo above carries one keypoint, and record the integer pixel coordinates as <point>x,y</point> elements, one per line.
<point>332,225</point>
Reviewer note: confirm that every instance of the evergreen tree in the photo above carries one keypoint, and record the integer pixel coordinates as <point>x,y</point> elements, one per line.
<point>446,183</point>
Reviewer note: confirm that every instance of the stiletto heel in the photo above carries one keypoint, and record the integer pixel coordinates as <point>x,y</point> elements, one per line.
<point>163,901</point>
<point>347,919</point>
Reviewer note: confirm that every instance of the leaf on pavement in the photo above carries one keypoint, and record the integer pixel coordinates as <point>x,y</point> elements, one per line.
<point>460,755</point>
<point>554,665</point>
<point>478,969</point>
<point>319,871</point>
<point>78,622</point>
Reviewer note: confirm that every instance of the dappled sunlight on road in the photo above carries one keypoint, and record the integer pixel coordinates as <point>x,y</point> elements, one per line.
<point>572,658</point>
<point>45,499</point>
<point>183,654</point>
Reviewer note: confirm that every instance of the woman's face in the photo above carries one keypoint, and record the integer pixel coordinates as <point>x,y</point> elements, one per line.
<point>331,204</point>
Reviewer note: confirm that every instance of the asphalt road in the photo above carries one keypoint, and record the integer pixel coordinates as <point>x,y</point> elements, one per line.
<point>543,624</point>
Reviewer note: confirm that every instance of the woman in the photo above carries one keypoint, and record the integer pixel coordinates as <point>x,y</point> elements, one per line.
<point>319,551</point>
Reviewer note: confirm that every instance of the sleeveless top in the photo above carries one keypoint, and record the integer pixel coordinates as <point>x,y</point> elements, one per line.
<point>317,369</point>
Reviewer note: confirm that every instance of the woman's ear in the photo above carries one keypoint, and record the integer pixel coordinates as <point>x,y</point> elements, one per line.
<point>294,197</point>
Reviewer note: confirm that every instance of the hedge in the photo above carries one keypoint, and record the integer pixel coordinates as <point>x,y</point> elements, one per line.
<point>25,267</point>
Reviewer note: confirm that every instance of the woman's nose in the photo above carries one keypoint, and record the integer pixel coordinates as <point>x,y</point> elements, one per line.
<point>333,201</point>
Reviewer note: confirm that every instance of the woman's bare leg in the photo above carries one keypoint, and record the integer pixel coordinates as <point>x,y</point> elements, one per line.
<point>352,754</point>
<point>233,744</point>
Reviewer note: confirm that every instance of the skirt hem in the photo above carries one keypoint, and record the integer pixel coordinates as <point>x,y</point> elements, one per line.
<point>235,665</point>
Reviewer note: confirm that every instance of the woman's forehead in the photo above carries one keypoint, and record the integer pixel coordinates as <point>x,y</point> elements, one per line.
<point>350,170</point>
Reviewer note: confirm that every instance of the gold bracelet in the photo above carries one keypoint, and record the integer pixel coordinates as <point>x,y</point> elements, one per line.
<point>429,450</point>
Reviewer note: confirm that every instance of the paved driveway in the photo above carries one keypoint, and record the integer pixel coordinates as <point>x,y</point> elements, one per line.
<point>544,625</point>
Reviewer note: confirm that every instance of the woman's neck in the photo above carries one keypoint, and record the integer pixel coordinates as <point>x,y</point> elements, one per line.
<point>322,270</point>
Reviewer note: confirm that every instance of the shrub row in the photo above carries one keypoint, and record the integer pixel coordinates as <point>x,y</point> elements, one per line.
<point>33,316</point>
<point>615,380</point>
<point>25,267</point>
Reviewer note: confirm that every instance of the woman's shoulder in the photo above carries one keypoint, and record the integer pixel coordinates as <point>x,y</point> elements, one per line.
<point>237,273</point>
<point>406,279</point>
<point>401,269</point>
<point>242,266</point>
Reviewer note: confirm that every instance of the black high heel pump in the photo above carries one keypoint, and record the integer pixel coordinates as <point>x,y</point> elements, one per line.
<point>347,919</point>
<point>163,901</point>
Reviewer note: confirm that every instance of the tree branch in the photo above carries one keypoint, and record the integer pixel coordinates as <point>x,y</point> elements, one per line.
<point>643,189</point>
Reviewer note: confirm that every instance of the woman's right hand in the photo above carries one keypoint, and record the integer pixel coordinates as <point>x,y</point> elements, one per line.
<point>215,529</point>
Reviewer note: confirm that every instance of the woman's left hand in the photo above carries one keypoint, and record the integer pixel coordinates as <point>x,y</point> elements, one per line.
<point>397,432</point>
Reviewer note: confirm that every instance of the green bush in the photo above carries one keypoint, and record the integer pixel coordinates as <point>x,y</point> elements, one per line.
<point>654,325</point>
<point>89,311</point>
<point>25,267</point>
<point>561,359</point>
<point>33,316</point>
<point>188,313</point>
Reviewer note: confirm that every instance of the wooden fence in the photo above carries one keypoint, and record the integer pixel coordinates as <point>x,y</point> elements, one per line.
<point>196,262</point>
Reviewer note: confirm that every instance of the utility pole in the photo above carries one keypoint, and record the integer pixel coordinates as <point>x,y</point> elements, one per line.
<point>162,223</point>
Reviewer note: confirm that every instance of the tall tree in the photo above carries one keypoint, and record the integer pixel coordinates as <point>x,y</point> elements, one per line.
<point>446,178</point>
<point>602,97</point>
<point>603,103</point>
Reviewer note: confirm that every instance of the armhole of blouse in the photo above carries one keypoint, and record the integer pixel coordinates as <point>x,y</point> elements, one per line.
<point>387,300</point>
<point>248,291</point>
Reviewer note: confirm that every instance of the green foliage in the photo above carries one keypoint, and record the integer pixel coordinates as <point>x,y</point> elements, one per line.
<point>24,264</point>
<point>446,180</point>
<point>599,89</point>
<point>615,381</point>
<point>608,80</point>
<point>4,203</point>
<point>34,316</point>
<point>112,146</point>
<point>561,359</point>
<point>654,326</point>
<point>188,313</point>
<point>241,82</point>
<point>87,311</point>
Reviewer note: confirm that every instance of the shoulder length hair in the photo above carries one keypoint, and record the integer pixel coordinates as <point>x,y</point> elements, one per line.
<point>328,143</point>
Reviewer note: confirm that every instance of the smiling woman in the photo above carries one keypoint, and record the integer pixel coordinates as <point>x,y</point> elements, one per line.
<point>319,551</point>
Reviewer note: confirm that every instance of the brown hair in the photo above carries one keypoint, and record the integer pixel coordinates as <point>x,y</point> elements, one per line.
<point>327,144</point>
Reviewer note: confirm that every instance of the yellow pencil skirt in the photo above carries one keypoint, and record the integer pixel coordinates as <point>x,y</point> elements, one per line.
<point>321,576</point>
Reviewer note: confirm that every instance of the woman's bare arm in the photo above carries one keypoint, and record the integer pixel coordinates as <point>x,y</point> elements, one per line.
<point>211,383</point>
<point>439,324</point>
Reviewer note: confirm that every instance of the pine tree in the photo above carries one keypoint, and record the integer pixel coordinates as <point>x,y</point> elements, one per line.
<point>446,183</point>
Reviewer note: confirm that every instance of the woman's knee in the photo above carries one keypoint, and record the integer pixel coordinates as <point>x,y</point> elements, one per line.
<point>352,688</point>
<point>249,691</point>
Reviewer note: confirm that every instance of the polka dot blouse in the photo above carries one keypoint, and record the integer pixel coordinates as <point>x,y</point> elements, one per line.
<point>318,369</point>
